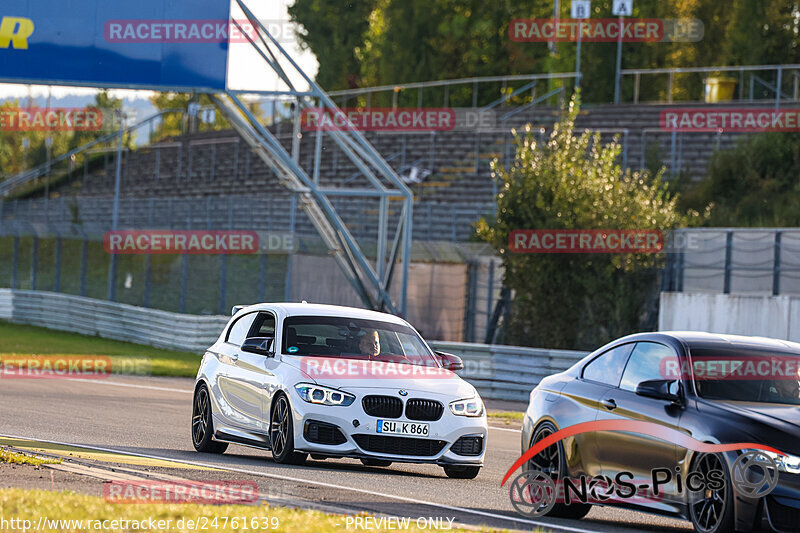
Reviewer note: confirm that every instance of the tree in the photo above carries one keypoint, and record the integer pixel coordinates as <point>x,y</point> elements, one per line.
<point>174,124</point>
<point>334,31</point>
<point>753,184</point>
<point>575,182</point>
<point>380,42</point>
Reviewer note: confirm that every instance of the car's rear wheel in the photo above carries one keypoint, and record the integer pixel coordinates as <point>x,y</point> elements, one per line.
<point>462,472</point>
<point>375,462</point>
<point>282,433</point>
<point>203,424</point>
<point>552,462</point>
<point>710,510</point>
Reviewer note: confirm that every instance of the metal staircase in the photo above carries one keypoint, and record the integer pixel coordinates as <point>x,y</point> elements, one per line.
<point>371,280</point>
<point>371,283</point>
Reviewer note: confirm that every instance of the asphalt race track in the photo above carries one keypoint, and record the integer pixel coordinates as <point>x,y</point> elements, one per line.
<point>151,417</point>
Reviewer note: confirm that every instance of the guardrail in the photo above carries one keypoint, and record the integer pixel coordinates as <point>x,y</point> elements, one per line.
<point>498,372</point>
<point>781,73</point>
<point>111,320</point>
<point>502,372</point>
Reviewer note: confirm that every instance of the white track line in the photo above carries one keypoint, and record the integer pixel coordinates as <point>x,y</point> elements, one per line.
<point>318,483</point>
<point>505,429</point>
<point>184,391</point>
<point>129,385</point>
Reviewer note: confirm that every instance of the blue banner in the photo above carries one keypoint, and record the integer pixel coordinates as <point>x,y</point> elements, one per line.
<point>143,44</point>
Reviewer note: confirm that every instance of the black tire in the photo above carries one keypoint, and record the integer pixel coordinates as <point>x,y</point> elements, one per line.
<point>281,433</point>
<point>375,462</point>
<point>711,511</point>
<point>462,472</point>
<point>203,424</point>
<point>552,461</point>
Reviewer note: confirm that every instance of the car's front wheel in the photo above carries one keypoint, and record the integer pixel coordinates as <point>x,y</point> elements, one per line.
<point>711,509</point>
<point>552,462</point>
<point>281,433</point>
<point>461,471</point>
<point>203,424</point>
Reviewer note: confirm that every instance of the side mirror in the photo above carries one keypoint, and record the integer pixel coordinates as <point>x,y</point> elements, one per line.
<point>258,345</point>
<point>450,361</point>
<point>658,389</point>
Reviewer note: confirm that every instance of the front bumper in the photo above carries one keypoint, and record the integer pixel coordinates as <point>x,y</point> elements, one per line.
<point>361,440</point>
<point>782,506</point>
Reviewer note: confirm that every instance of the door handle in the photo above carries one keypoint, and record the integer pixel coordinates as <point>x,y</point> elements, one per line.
<point>234,357</point>
<point>609,404</point>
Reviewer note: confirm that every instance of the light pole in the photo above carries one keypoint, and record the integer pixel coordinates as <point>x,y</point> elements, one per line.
<point>581,9</point>
<point>48,143</point>
<point>112,267</point>
<point>621,8</point>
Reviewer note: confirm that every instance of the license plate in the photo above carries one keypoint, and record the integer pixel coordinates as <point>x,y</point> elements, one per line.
<point>391,427</point>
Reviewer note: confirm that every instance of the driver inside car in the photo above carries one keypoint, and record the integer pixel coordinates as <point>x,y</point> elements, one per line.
<point>370,344</point>
<point>785,391</point>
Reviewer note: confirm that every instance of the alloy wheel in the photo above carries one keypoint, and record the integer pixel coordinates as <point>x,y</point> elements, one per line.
<point>200,416</point>
<point>547,461</point>
<point>708,506</point>
<point>279,426</point>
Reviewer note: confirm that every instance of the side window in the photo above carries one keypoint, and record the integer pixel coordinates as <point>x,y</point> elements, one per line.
<point>238,332</point>
<point>648,361</point>
<point>264,326</point>
<point>607,368</point>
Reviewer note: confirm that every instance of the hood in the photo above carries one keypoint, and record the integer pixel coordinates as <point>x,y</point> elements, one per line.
<point>356,374</point>
<point>773,424</point>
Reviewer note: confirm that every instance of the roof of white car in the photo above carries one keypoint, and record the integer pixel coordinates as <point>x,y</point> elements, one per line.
<point>308,309</point>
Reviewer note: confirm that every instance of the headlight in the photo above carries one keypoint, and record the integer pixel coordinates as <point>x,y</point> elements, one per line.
<point>323,395</point>
<point>786,463</point>
<point>470,407</point>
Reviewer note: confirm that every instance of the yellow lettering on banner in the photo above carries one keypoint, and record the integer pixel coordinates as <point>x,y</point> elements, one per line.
<point>15,30</point>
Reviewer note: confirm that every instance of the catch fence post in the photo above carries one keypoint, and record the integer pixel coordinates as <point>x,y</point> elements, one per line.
<point>776,267</point>
<point>726,288</point>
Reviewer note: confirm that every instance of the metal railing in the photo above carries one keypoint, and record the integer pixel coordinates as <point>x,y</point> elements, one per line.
<point>781,72</point>
<point>44,170</point>
<point>343,96</point>
<point>441,221</point>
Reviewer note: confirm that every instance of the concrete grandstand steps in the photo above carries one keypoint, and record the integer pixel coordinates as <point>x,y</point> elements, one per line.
<point>217,163</point>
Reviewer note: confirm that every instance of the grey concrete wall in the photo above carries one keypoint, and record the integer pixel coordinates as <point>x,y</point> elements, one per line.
<point>767,316</point>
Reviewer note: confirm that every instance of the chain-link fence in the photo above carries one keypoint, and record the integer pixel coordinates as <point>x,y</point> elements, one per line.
<point>736,260</point>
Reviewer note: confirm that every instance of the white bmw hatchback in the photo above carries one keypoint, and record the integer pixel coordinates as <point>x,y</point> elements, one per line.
<point>332,381</point>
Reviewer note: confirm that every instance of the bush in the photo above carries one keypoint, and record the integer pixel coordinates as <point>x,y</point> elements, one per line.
<point>757,183</point>
<point>576,301</point>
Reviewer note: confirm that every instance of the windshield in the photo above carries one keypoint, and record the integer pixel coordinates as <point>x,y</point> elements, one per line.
<point>747,376</point>
<point>355,338</point>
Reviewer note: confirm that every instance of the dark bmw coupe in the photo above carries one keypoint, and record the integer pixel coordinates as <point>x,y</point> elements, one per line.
<point>700,391</point>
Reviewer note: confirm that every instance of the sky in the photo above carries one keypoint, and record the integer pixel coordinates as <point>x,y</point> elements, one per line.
<point>246,69</point>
